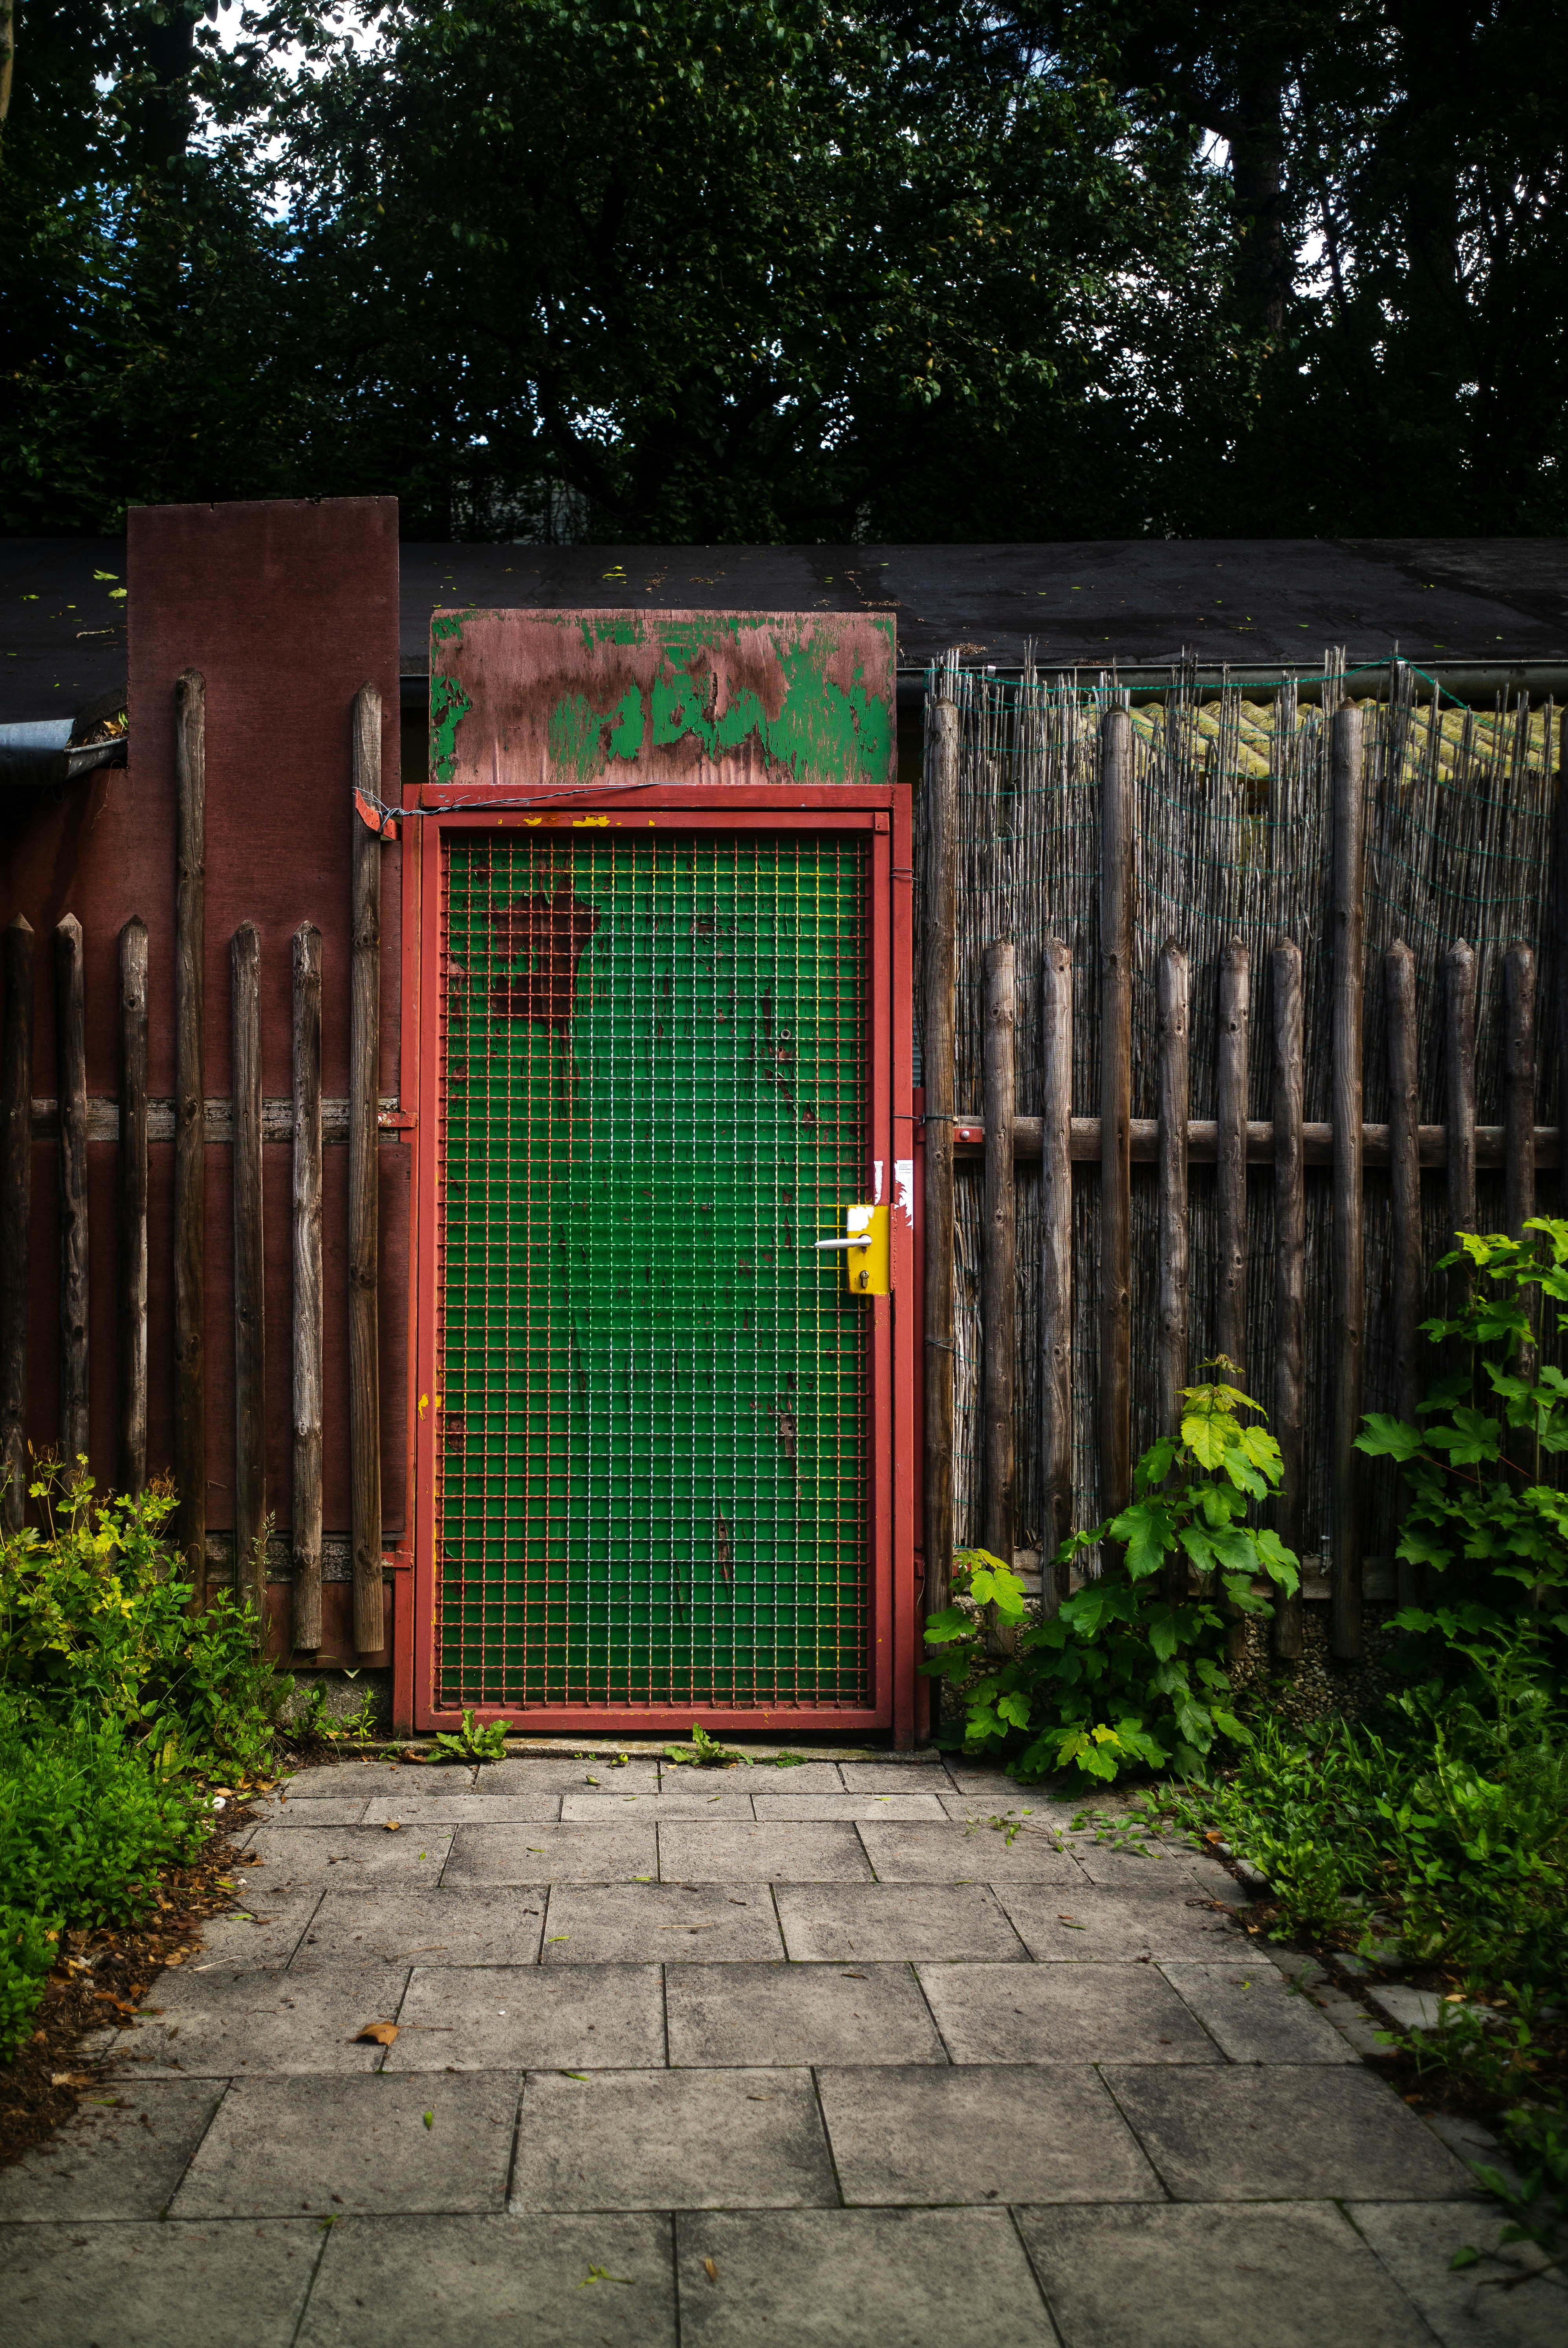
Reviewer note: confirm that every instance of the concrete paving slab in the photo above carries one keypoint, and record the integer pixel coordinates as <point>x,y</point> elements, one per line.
<point>1250,2008</point>
<point>264,2024</point>
<point>612,1852</point>
<point>857,2279</point>
<point>925,1775</point>
<point>1022,1804</point>
<point>122,2153</point>
<point>1132,1870</point>
<point>366,1778</point>
<point>530,2017</point>
<point>318,2146</point>
<point>495,2282</point>
<point>464,1809</point>
<point>792,2014</point>
<point>1485,2304</point>
<point>1317,2132</point>
<point>1213,2277</point>
<point>322,1810</point>
<point>730,1852</point>
<point>948,1853</point>
<point>660,1923</point>
<point>354,1932</point>
<point>180,2286</point>
<point>1168,1920</point>
<point>881,1923</point>
<point>316,1859</point>
<point>1062,2014</point>
<point>548,1775</point>
<point>787,1804</point>
<point>801,1778</point>
<point>265,1934</point>
<point>678,1805</point>
<point>986,2133</point>
<point>643,2139</point>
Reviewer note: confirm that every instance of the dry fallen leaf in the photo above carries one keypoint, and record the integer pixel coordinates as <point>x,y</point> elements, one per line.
<point>711,2271</point>
<point>394,1825</point>
<point>381,2034</point>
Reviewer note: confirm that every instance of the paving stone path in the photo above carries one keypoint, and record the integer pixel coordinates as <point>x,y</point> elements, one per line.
<point>823,2056</point>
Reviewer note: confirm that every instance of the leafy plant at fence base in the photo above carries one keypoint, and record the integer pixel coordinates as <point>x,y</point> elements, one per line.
<point>115,1700</point>
<point>1479,1513</point>
<point>1123,1676</point>
<point>705,1752</point>
<point>472,1743</point>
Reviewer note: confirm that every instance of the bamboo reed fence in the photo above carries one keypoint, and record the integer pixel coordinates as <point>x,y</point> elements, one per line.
<point>1252,949</point>
<point>193,1121</point>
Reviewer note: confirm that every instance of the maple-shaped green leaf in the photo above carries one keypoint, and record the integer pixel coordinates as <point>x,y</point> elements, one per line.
<point>1386,1437</point>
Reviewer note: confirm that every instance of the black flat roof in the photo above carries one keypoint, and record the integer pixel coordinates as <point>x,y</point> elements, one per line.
<point>1249,603</point>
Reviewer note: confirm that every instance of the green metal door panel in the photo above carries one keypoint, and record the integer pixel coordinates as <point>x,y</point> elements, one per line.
<point>654,1396</point>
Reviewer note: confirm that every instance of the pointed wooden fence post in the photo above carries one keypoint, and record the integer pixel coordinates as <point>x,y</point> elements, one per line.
<point>1115,1111</point>
<point>1405,1181</point>
<point>307,1297</point>
<point>999,1267</point>
<point>1289,1276</point>
<point>190,1127</point>
<point>15,1217</point>
<point>249,1284</point>
<point>1349,1233</point>
<point>133,1172</point>
<point>1056,1257</point>
<point>1174,1035</point>
<point>71,1054</point>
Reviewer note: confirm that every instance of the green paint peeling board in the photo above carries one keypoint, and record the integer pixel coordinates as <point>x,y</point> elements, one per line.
<point>653,1448</point>
<point>524,700</point>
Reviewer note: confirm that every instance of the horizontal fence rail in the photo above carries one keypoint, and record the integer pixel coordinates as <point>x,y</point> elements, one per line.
<point>1332,926</point>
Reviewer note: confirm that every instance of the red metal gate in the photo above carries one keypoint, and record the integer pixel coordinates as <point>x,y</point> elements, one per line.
<point>602,1541</point>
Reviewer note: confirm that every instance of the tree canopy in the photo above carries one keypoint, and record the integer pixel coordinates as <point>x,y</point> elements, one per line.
<point>677,270</point>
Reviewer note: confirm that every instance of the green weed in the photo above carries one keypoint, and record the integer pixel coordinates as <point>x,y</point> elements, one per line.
<point>472,1743</point>
<point>704,1752</point>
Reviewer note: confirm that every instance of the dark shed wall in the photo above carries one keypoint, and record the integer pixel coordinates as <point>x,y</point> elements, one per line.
<point>287,610</point>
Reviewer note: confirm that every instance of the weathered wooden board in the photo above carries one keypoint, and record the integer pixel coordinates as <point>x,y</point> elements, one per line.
<point>535,700</point>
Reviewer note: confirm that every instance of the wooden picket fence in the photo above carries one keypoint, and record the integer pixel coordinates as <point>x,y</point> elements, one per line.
<point>1233,1143</point>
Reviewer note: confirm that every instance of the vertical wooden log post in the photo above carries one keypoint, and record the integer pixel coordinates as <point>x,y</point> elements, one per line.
<point>1519,1101</point>
<point>190,1125</point>
<point>1405,1172</point>
<point>1459,1052</point>
<point>1289,1275</point>
<point>1519,1159</point>
<point>250,1283</point>
<point>1230,1312</point>
<point>133,1037</point>
<point>71,1053</point>
<point>999,1271</point>
<point>1349,1234</point>
<point>1172,984</point>
<point>363,1088</point>
<point>15,1217</point>
<point>937,1029</point>
<point>1056,1257</point>
<point>1115,1111</point>
<point>307,1307</point>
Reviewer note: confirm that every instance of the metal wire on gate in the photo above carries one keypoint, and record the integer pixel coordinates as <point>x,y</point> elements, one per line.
<point>652,1482</point>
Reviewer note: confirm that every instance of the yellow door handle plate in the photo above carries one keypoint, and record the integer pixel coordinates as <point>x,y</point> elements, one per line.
<point>865,1250</point>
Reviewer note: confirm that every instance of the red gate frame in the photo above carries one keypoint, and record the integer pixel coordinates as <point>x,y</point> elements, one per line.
<point>882,811</point>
